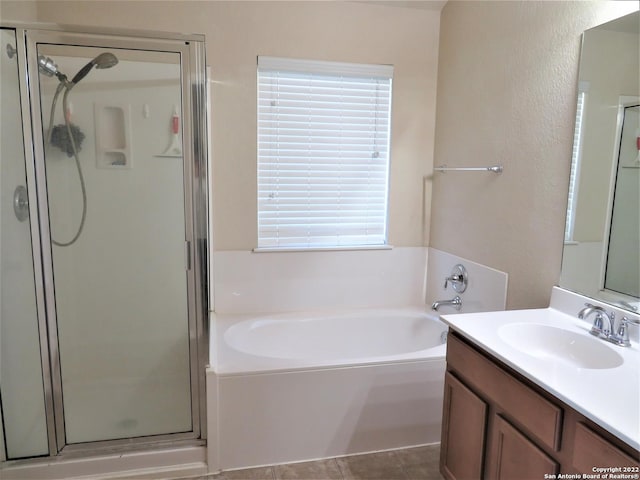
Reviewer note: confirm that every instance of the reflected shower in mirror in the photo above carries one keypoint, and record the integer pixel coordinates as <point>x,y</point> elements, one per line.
<point>623,254</point>
<point>602,239</point>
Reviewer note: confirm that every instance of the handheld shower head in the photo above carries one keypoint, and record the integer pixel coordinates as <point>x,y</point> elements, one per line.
<point>104,60</point>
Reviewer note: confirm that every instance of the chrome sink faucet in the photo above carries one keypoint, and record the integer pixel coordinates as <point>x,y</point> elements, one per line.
<point>456,302</point>
<point>598,328</point>
<point>618,336</point>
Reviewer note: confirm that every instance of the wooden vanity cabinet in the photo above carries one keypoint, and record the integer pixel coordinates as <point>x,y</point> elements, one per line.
<point>513,455</point>
<point>464,428</point>
<point>499,425</point>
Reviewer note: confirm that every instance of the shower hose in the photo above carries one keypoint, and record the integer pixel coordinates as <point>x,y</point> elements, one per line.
<point>67,88</point>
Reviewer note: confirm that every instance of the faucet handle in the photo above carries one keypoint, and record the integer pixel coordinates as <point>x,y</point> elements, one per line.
<point>453,279</point>
<point>597,327</point>
<point>621,335</point>
<point>458,279</point>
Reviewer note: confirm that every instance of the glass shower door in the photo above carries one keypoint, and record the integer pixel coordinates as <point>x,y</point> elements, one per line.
<point>22,403</point>
<point>115,180</point>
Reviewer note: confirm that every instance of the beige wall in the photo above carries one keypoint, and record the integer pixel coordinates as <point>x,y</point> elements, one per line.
<point>507,75</point>
<point>507,79</point>
<point>237,32</point>
<point>24,11</point>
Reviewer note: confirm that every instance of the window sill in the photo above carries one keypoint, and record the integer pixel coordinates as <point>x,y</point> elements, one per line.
<point>321,249</point>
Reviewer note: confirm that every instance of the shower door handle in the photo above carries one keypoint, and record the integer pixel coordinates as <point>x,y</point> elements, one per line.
<point>187,252</point>
<point>21,203</point>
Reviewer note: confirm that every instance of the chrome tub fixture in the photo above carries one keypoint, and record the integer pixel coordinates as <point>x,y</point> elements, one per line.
<point>456,303</point>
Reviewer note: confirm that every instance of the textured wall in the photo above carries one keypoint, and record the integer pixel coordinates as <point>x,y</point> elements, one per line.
<point>237,32</point>
<point>24,10</point>
<point>507,79</point>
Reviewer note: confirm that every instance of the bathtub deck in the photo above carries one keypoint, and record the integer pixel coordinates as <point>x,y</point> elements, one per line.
<point>420,463</point>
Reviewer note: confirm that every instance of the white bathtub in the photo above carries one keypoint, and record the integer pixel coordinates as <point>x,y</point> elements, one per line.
<point>294,387</point>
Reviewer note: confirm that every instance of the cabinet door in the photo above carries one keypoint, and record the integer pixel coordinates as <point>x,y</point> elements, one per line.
<point>463,429</point>
<point>591,450</point>
<point>513,455</point>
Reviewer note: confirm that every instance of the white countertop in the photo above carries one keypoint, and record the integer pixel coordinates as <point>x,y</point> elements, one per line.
<point>608,396</point>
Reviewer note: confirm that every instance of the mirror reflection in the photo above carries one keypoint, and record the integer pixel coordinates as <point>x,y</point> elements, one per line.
<point>602,240</point>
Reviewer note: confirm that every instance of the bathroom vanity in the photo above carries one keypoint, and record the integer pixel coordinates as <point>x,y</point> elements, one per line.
<point>529,413</point>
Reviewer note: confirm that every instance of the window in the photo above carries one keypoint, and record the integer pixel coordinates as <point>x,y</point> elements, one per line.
<point>576,154</point>
<point>323,153</point>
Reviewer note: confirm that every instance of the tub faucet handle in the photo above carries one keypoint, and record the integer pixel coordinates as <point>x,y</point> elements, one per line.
<point>452,279</point>
<point>458,279</point>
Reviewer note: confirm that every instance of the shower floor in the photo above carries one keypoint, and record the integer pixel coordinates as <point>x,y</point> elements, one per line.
<point>419,463</point>
<point>123,408</point>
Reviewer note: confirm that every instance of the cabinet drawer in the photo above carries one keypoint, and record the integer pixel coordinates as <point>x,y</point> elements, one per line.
<point>535,415</point>
<point>591,450</point>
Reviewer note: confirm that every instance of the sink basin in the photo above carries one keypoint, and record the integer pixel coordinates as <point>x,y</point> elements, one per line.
<point>546,342</point>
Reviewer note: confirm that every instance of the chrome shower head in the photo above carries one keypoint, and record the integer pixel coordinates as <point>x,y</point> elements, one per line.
<point>104,60</point>
<point>47,66</point>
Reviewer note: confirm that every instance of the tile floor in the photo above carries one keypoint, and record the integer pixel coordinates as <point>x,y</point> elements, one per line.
<point>419,463</point>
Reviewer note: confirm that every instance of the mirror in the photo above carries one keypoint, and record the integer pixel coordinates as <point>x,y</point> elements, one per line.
<point>601,257</point>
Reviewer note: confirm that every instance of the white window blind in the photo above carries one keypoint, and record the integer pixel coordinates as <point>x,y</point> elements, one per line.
<point>575,163</point>
<point>323,153</point>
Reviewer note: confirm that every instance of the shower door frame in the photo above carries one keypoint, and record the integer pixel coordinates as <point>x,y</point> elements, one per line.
<point>195,181</point>
<point>34,226</point>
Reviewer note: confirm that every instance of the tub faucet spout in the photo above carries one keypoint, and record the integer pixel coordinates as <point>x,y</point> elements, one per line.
<point>456,303</point>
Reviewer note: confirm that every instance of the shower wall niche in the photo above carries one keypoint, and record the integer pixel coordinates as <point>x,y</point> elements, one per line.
<point>113,139</point>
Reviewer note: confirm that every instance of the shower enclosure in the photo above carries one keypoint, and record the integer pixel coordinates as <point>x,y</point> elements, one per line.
<point>103,241</point>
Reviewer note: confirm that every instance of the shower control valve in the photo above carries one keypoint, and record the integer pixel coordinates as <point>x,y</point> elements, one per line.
<point>458,279</point>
